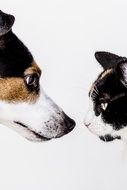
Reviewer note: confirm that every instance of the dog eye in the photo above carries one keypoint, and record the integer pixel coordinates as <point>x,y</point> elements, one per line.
<point>32,80</point>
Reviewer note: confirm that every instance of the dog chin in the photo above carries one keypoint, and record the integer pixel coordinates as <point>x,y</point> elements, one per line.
<point>35,137</point>
<point>31,135</point>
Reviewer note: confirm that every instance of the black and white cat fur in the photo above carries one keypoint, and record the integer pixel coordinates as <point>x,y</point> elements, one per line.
<point>107,115</point>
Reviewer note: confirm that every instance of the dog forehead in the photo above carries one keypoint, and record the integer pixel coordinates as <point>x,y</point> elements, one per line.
<point>15,57</point>
<point>34,68</point>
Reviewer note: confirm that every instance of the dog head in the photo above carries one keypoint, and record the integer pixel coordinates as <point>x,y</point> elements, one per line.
<point>107,115</point>
<point>24,106</point>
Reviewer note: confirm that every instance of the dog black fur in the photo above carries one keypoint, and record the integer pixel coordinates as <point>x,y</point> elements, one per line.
<point>14,55</point>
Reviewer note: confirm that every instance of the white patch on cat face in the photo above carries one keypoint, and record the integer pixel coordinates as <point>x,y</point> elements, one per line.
<point>96,125</point>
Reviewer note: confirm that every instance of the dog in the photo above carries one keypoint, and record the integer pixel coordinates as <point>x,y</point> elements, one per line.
<point>24,106</point>
<point>107,115</point>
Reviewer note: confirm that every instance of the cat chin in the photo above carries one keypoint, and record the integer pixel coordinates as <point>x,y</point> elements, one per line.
<point>109,138</point>
<point>106,132</point>
<point>122,133</point>
<point>99,128</point>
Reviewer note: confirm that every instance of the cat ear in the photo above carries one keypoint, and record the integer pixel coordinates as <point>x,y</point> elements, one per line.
<point>108,60</point>
<point>121,70</point>
<point>6,22</point>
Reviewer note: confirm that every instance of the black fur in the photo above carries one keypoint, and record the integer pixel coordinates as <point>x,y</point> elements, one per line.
<point>112,89</point>
<point>14,55</point>
<point>6,22</point>
<point>109,88</point>
<point>108,60</point>
<point>108,138</point>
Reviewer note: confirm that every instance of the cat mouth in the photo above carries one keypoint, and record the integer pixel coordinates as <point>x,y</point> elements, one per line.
<point>109,138</point>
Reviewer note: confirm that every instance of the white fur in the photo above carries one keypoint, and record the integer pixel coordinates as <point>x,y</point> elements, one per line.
<point>96,125</point>
<point>43,117</point>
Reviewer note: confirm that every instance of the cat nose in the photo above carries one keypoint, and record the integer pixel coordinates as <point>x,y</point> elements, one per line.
<point>87,124</point>
<point>89,118</point>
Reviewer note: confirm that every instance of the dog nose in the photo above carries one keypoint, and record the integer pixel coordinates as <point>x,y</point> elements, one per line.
<point>70,123</point>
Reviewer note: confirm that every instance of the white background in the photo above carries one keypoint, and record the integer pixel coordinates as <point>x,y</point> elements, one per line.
<point>63,36</point>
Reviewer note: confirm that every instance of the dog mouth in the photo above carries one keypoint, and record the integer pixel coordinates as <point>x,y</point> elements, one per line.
<point>38,136</point>
<point>50,129</point>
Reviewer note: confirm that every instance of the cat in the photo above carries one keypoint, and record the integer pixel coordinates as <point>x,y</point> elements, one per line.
<point>107,115</point>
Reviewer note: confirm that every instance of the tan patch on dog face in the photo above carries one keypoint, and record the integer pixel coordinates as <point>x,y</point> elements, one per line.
<point>33,69</point>
<point>14,89</point>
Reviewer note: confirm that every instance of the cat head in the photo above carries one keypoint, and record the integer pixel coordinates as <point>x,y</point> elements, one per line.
<point>107,115</point>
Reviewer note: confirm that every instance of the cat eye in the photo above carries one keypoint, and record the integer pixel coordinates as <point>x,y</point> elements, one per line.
<point>104,106</point>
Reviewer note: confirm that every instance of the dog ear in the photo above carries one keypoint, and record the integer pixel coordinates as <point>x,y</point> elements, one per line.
<point>108,60</point>
<point>6,22</point>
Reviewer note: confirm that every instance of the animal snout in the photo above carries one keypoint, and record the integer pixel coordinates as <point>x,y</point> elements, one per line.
<point>89,118</point>
<point>87,121</point>
<point>87,124</point>
<point>70,123</point>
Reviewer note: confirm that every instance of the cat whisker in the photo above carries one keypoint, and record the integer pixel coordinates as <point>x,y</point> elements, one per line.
<point>96,90</point>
